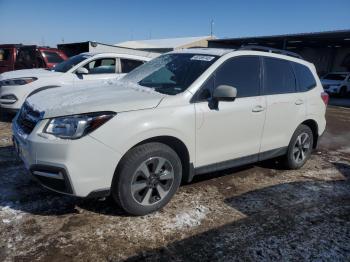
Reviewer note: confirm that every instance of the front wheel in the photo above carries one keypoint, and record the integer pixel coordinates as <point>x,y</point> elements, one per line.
<point>300,147</point>
<point>148,177</point>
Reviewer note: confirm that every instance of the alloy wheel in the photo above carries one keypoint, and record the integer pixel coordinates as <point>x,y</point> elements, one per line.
<point>152,181</point>
<point>301,147</point>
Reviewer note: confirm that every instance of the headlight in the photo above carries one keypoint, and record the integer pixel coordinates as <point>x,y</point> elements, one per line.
<point>18,81</point>
<point>76,126</point>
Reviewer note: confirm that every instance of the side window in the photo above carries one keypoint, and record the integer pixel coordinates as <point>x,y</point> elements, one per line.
<point>52,57</point>
<point>101,66</point>
<point>129,64</point>
<point>278,76</point>
<point>26,58</point>
<point>4,54</point>
<point>306,80</point>
<point>241,72</point>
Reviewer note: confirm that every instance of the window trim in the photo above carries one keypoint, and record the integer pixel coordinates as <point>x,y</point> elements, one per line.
<point>195,97</point>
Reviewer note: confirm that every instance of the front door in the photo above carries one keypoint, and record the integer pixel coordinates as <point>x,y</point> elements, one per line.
<point>98,70</point>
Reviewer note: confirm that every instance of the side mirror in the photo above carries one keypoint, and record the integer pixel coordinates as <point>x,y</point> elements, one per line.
<point>81,71</point>
<point>225,93</point>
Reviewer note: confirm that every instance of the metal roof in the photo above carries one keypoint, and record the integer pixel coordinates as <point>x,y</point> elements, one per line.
<point>326,38</point>
<point>168,43</point>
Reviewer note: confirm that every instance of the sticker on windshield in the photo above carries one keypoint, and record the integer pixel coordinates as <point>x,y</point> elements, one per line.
<point>202,58</point>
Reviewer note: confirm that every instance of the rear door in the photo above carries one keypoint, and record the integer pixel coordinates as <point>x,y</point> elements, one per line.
<point>285,106</point>
<point>233,130</point>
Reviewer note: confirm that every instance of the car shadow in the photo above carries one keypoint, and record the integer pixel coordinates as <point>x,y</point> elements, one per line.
<point>20,192</point>
<point>6,117</point>
<point>290,221</point>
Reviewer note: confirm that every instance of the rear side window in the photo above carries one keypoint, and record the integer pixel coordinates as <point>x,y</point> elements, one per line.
<point>53,57</point>
<point>129,64</point>
<point>278,76</point>
<point>4,54</point>
<point>242,73</point>
<point>306,80</point>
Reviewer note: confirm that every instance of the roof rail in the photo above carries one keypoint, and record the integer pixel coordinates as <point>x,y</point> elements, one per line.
<point>270,50</point>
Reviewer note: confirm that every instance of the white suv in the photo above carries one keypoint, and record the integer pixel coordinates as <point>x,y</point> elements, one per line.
<point>336,83</point>
<point>86,69</point>
<point>182,114</point>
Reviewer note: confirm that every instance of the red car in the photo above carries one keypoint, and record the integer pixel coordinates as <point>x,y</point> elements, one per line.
<point>15,57</point>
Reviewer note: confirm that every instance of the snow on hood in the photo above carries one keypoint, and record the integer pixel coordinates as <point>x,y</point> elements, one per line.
<point>28,73</point>
<point>117,96</point>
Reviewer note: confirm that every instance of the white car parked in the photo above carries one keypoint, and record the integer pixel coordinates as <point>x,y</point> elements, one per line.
<point>337,83</point>
<point>182,114</point>
<point>85,68</point>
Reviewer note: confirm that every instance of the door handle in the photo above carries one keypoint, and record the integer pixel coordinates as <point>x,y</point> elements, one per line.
<point>299,102</point>
<point>258,108</point>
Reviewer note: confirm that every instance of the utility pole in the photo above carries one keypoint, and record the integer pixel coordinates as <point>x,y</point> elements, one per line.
<point>211,27</point>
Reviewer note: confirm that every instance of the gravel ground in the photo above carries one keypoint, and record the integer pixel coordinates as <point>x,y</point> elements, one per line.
<point>257,212</point>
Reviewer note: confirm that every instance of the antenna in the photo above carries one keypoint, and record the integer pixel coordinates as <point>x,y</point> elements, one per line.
<point>211,27</point>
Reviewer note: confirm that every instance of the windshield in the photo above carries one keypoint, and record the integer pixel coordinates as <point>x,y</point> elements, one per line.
<point>340,77</point>
<point>172,73</point>
<point>71,62</point>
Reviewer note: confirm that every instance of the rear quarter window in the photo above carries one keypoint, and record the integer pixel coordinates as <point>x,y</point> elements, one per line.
<point>279,77</point>
<point>305,78</point>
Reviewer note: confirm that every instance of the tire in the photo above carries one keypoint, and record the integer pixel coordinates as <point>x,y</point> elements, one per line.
<point>147,178</point>
<point>298,154</point>
<point>343,91</point>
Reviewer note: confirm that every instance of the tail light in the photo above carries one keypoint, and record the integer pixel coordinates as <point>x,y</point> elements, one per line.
<point>325,97</point>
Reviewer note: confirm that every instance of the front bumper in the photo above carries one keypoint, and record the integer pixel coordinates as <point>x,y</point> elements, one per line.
<point>75,167</point>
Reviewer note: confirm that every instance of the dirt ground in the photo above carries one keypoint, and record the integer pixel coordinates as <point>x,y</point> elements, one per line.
<point>257,212</point>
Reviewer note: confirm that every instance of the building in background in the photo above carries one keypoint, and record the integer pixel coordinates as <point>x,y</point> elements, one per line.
<point>72,49</point>
<point>167,45</point>
<point>329,51</point>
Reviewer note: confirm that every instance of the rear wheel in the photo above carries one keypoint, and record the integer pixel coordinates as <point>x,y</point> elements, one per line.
<point>148,177</point>
<point>300,147</point>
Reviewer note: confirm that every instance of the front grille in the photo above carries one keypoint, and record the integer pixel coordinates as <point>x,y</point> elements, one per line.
<point>27,118</point>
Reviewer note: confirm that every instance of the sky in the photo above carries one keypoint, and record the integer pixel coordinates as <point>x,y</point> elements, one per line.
<point>54,22</point>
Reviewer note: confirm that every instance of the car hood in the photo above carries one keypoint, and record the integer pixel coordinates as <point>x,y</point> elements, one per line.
<point>116,96</point>
<point>330,82</point>
<point>28,73</point>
